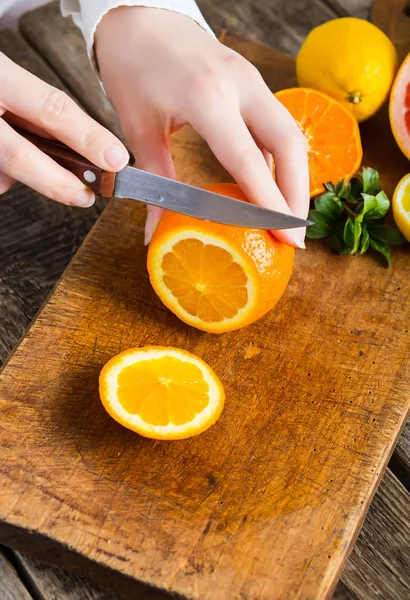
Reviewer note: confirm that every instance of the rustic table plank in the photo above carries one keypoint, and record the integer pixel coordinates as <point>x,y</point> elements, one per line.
<point>400,461</point>
<point>371,573</point>
<point>38,239</point>
<point>281,24</point>
<point>24,55</point>
<point>351,8</point>
<point>12,588</point>
<point>53,583</point>
<point>96,114</point>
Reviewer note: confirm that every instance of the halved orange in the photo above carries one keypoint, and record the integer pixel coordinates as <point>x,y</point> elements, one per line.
<point>332,132</point>
<point>161,393</point>
<point>217,277</point>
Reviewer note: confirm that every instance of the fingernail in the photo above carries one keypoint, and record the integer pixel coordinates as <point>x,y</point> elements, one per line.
<point>299,238</point>
<point>150,225</point>
<point>116,156</point>
<point>85,199</point>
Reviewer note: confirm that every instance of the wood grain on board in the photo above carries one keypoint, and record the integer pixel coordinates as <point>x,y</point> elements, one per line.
<point>265,504</point>
<point>393,17</point>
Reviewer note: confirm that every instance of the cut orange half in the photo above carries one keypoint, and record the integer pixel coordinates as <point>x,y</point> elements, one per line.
<point>217,277</point>
<point>332,133</point>
<point>161,393</point>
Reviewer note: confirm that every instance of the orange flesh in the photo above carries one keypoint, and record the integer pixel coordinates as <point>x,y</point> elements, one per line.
<point>205,280</point>
<point>163,391</point>
<point>332,133</point>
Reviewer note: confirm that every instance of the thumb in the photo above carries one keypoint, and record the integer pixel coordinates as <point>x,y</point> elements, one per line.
<point>153,154</point>
<point>154,214</point>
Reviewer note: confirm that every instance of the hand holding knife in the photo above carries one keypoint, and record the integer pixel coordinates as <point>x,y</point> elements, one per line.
<point>166,193</point>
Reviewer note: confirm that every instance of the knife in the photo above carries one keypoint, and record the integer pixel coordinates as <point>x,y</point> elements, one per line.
<point>160,191</point>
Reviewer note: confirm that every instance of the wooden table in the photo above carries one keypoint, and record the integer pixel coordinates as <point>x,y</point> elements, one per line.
<point>38,238</point>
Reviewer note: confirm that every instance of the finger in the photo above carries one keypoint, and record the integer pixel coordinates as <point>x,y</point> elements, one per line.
<point>274,127</point>
<point>150,145</point>
<point>154,214</point>
<point>234,146</point>
<point>267,156</point>
<point>21,160</point>
<point>5,182</point>
<point>55,112</point>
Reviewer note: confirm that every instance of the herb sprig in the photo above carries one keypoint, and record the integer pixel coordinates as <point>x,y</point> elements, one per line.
<point>351,215</point>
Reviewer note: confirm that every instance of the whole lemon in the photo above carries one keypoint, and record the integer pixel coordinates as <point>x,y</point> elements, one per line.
<point>351,60</point>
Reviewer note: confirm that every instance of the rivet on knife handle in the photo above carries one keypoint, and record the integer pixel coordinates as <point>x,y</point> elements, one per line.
<point>101,182</point>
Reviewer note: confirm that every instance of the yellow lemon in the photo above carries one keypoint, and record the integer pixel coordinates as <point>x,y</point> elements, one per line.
<point>351,60</point>
<point>401,206</point>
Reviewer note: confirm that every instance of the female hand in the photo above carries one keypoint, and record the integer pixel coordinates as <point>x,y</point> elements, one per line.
<point>34,105</point>
<point>162,71</point>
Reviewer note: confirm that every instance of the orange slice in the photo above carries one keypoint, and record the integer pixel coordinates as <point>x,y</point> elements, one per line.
<point>161,393</point>
<point>217,277</point>
<point>334,144</point>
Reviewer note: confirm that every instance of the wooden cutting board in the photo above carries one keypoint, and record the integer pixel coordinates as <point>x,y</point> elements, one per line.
<point>268,502</point>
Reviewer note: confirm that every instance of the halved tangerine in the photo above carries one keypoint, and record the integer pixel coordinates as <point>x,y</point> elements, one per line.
<point>332,132</point>
<point>217,277</point>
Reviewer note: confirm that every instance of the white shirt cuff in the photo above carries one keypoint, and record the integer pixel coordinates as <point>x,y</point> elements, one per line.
<point>87,14</point>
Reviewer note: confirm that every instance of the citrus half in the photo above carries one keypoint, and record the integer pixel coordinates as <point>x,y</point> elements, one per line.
<point>217,277</point>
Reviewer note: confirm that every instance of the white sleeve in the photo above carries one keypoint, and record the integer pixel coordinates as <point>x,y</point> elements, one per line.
<point>87,14</point>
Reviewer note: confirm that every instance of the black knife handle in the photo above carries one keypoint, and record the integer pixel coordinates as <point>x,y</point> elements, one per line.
<point>101,182</point>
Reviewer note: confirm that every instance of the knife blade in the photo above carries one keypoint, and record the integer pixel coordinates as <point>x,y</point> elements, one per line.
<point>169,194</point>
<point>197,202</point>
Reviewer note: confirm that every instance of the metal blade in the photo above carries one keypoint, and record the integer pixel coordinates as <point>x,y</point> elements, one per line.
<point>195,202</point>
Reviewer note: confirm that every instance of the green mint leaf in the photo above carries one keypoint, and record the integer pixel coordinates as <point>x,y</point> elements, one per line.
<point>329,204</point>
<point>330,187</point>
<point>339,187</point>
<point>335,239</point>
<point>375,207</point>
<point>345,190</point>
<point>322,225</point>
<point>348,234</point>
<point>370,179</point>
<point>384,203</point>
<point>387,235</point>
<point>364,244</point>
<point>357,235</point>
<point>351,214</point>
<point>356,189</point>
<point>382,248</point>
<point>370,206</point>
<point>351,234</point>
